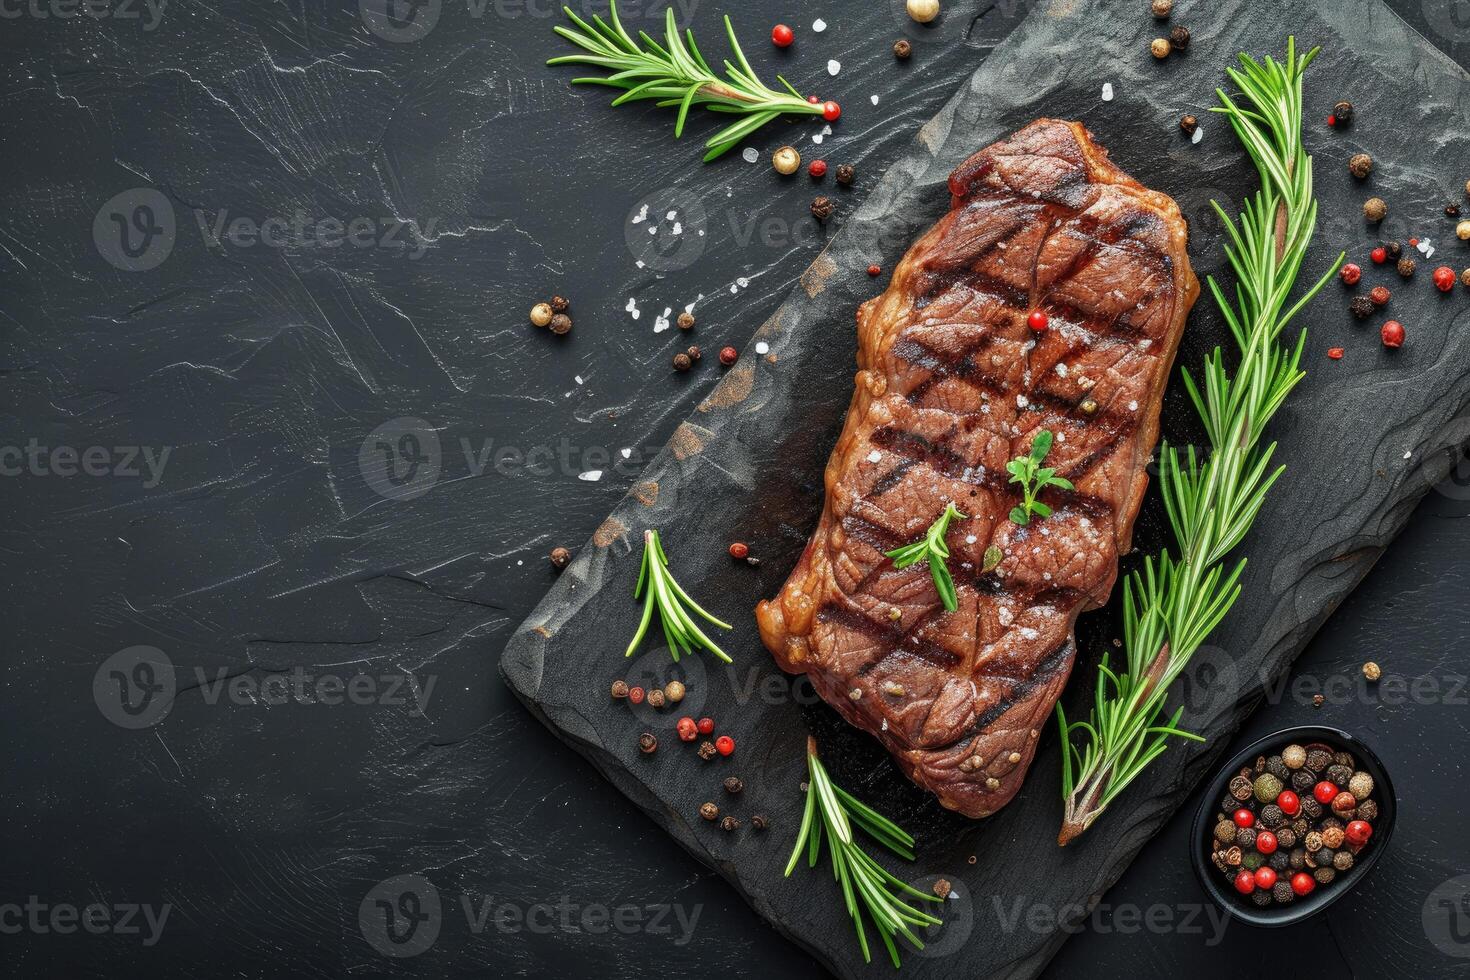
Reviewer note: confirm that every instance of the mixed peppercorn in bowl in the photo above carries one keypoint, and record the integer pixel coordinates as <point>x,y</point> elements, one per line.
<point>1291,824</point>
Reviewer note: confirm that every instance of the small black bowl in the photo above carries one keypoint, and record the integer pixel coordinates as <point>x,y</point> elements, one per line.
<point>1219,888</point>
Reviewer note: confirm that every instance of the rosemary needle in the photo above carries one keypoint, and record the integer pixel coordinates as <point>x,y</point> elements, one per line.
<point>934,549</point>
<point>1172,604</point>
<point>673,605</point>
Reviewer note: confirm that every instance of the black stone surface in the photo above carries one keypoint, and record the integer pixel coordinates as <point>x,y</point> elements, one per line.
<point>269,827</point>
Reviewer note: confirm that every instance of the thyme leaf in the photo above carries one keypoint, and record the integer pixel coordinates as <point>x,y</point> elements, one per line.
<point>1034,478</point>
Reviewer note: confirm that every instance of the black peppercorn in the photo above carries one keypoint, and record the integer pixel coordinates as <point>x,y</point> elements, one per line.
<point>619,689</point>
<point>846,174</point>
<point>561,324</point>
<point>1276,767</point>
<point>1189,124</point>
<point>707,751</point>
<point>1406,267</point>
<point>1324,876</point>
<point>693,353</point>
<point>759,823</point>
<point>728,824</point>
<point>1241,788</point>
<point>686,320</point>
<point>1342,114</point>
<point>1179,38</point>
<point>1285,838</point>
<point>1225,830</point>
<point>733,784</point>
<point>1304,779</point>
<point>1311,809</point>
<point>1246,837</point>
<point>1395,250</point>
<point>1278,861</point>
<point>656,698</point>
<point>1282,893</point>
<point>1368,810</point>
<point>647,743</point>
<point>682,362</point>
<point>1451,210</point>
<point>560,558</point>
<point>560,304</point>
<point>902,49</point>
<point>823,207</point>
<point>1362,308</point>
<point>1342,861</point>
<point>1298,858</point>
<point>1318,700</point>
<point>1271,816</point>
<point>1360,165</point>
<point>1339,774</point>
<point>709,811</point>
<point>1261,897</point>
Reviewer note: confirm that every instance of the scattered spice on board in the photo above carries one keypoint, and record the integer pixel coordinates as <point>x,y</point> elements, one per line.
<point>541,314</point>
<point>647,743</point>
<point>1350,274</point>
<point>1179,38</point>
<point>560,558</point>
<point>1335,353</point>
<point>1379,295</point>
<point>1406,267</point>
<point>1462,231</point>
<point>1342,115</point>
<point>728,356</point>
<point>817,169</point>
<point>1392,334</point>
<point>782,36</point>
<point>709,811</point>
<point>1189,123</point>
<point>822,208</point>
<point>786,161</point>
<point>1159,47</point>
<point>686,320</point>
<point>902,49</point>
<point>1444,278</point>
<point>682,362</point>
<point>619,690</point>
<point>1162,8</point>
<point>1361,307</point>
<point>1375,209</point>
<point>1371,671</point>
<point>561,324</point>
<point>846,174</point>
<point>1361,165</point>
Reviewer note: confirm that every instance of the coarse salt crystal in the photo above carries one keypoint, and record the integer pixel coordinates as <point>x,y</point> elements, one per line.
<point>834,66</point>
<point>874,456</point>
<point>642,213</point>
<point>750,155</point>
<point>626,453</point>
<point>970,539</point>
<point>632,307</point>
<point>873,99</point>
<point>1061,369</point>
<point>1199,134</point>
<point>762,348</point>
<point>1107,92</point>
<point>1133,406</point>
<point>591,476</point>
<point>819,25</point>
<point>1005,616</point>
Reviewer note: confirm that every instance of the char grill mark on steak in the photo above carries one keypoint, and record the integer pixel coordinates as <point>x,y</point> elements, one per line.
<point>952,385</point>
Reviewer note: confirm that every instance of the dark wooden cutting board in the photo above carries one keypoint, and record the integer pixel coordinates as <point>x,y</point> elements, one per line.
<point>1363,437</point>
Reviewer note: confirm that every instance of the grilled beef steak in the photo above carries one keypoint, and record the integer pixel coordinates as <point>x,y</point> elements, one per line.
<point>952,384</point>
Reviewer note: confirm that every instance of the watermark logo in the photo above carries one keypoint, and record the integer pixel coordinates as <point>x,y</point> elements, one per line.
<point>1450,19</point>
<point>1446,917</point>
<point>654,670</point>
<point>126,919</point>
<point>666,230</point>
<point>401,458</point>
<point>148,12</point>
<point>400,21</point>
<point>135,230</point>
<point>401,916</point>
<point>1206,687</point>
<point>958,913</point>
<point>1017,914</point>
<point>135,687</point>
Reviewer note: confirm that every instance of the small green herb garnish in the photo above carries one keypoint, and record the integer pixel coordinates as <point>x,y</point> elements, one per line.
<point>676,74</point>
<point>1034,478</point>
<point>833,811</point>
<point>680,630</point>
<point>933,547</point>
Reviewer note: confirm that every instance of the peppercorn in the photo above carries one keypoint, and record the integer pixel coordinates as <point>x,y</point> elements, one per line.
<point>733,784</point>
<point>693,352</point>
<point>1303,780</point>
<point>759,823</point>
<point>1406,267</point>
<point>1297,859</point>
<point>708,811</point>
<point>822,208</point>
<point>902,49</point>
<point>1358,832</point>
<point>786,161</point>
<point>1395,250</point>
<point>1392,333</point>
<point>1344,803</point>
<point>656,698</point>
<point>1241,788</point>
<point>619,689</point>
<point>686,320</point>
<point>1338,774</point>
<point>1367,810</point>
<point>1281,892</point>
<point>1311,809</point>
<point>728,356</point>
<point>1332,837</point>
<point>1278,861</point>
<point>1294,756</point>
<point>728,824</point>
<point>706,750</point>
<point>1301,825</point>
<point>686,730</point>
<point>560,558</point>
<point>846,174</point>
<point>1379,255</point>
<point>1361,165</point>
<point>1452,210</point>
<point>1225,831</point>
<point>1374,209</point>
<point>1361,307</point>
<point>1252,860</point>
<point>817,169</point>
<point>1276,766</point>
<point>561,324</point>
<point>541,314</point>
<point>1188,123</point>
<point>636,695</point>
<point>1261,898</point>
<point>1313,841</point>
<point>1465,278</point>
<point>1179,38</point>
<point>682,362</point>
<point>1444,278</point>
<point>725,745</point>
<point>922,11</point>
<point>1462,231</point>
<point>1159,47</point>
<point>1088,406</point>
<point>1342,860</point>
<point>1246,837</point>
<point>1379,296</point>
<point>1271,816</point>
<point>706,725</point>
<point>1342,114</point>
<point>1467,188</point>
<point>674,691</point>
<point>875,270</point>
<point>1324,876</point>
<point>1350,274</point>
<point>1162,8</point>
<point>647,743</point>
<point>1286,837</point>
<point>1268,787</point>
<point>1233,857</point>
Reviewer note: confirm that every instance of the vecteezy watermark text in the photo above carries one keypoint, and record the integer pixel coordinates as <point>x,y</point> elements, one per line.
<point>43,918</point>
<point>127,462</point>
<point>149,12</point>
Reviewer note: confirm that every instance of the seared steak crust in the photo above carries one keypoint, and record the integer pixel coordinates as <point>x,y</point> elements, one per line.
<point>951,385</point>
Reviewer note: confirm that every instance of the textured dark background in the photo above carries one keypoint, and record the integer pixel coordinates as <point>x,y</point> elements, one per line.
<point>265,544</point>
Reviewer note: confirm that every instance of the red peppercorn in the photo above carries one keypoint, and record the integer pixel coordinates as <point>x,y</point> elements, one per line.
<point>739,549</point>
<point>1326,790</point>
<point>1336,354</point>
<point>687,730</point>
<point>875,270</point>
<point>831,111</point>
<point>1332,120</point>
<point>1380,255</point>
<point>1302,883</point>
<point>1265,877</point>
<point>705,725</point>
<point>1413,243</point>
<point>1444,278</point>
<point>1244,818</point>
<point>1350,274</point>
<point>1393,336</point>
<point>814,100</point>
<point>728,356</point>
<point>1266,842</point>
<point>724,745</point>
<point>636,695</point>
<point>1358,832</point>
<point>817,169</point>
<point>1245,882</point>
<point>1380,295</point>
<point>1037,320</point>
<point>1289,802</point>
<point>782,36</point>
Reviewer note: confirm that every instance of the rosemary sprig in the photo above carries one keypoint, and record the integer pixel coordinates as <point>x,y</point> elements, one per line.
<point>1172,604</point>
<point>867,887</point>
<point>673,604</point>
<point>676,74</point>
<point>933,548</point>
<point>1034,478</point>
